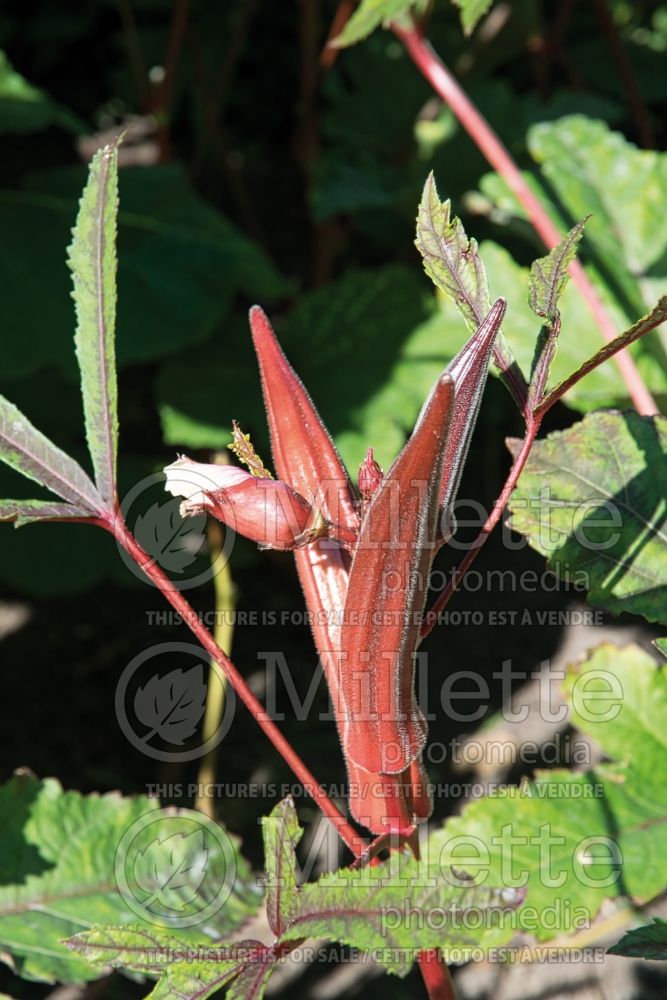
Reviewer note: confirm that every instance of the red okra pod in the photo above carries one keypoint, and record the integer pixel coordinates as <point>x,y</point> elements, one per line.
<point>384,730</point>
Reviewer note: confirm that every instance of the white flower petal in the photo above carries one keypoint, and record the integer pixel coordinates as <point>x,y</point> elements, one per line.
<point>193,480</point>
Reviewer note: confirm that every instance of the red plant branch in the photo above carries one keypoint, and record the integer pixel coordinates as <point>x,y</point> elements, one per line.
<point>124,537</point>
<point>490,145</point>
<point>436,975</point>
<point>636,106</point>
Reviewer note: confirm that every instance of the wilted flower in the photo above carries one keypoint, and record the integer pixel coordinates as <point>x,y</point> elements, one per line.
<point>266,511</point>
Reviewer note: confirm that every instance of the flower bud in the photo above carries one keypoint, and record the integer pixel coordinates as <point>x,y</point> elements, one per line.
<point>266,511</point>
<point>370,476</point>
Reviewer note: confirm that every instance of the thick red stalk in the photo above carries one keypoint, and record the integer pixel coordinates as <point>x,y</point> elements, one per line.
<point>436,975</point>
<point>383,729</point>
<point>490,145</point>
<point>124,537</point>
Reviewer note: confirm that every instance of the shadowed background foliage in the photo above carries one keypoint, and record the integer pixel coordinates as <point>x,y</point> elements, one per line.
<point>251,173</point>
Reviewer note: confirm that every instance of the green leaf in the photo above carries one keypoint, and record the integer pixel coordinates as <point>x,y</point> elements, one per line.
<point>471,12</point>
<point>450,259</point>
<point>575,839</point>
<point>181,266</point>
<point>62,849</point>
<point>92,261</point>
<point>28,451</point>
<point>453,263</point>
<point>548,275</point>
<point>22,512</point>
<point>185,971</point>
<point>649,941</point>
<point>369,15</point>
<point>25,108</point>
<point>661,644</point>
<point>625,202</point>
<point>281,833</point>
<point>368,908</point>
<point>626,719</point>
<point>592,499</point>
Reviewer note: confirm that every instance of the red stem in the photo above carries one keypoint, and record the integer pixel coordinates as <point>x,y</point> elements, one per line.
<point>432,966</point>
<point>636,106</point>
<point>443,599</point>
<point>436,975</point>
<point>348,834</point>
<point>341,17</point>
<point>177,28</point>
<point>134,53</point>
<point>490,145</point>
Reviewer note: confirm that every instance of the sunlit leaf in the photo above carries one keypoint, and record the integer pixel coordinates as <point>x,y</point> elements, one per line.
<point>92,261</point>
<point>28,451</point>
<point>593,500</point>
<point>371,14</point>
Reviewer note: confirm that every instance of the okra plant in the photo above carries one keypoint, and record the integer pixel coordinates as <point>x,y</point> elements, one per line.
<point>124,884</point>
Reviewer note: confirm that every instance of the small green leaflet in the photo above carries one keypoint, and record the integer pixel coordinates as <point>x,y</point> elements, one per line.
<point>281,833</point>
<point>450,259</point>
<point>548,277</point>
<point>92,261</point>
<point>453,264</point>
<point>183,970</point>
<point>22,512</point>
<point>471,12</point>
<point>370,14</point>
